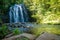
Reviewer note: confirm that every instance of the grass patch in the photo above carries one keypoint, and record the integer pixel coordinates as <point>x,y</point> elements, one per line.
<point>54,29</point>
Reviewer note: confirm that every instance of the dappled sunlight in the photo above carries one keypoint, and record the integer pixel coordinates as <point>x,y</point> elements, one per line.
<point>53,19</point>
<point>30,19</point>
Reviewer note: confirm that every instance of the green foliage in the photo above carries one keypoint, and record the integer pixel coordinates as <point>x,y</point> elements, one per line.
<point>42,10</point>
<point>16,31</point>
<point>3,31</point>
<point>54,29</point>
<point>16,1</point>
<point>5,4</point>
<point>23,38</point>
<point>0,20</point>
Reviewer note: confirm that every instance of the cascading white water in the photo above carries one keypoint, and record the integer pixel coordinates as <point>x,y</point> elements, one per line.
<point>18,13</point>
<point>21,13</point>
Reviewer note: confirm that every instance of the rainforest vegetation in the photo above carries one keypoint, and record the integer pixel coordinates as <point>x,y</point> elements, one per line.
<point>39,11</point>
<point>43,11</point>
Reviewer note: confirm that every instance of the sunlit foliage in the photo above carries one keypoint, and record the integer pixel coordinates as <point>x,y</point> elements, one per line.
<point>44,11</point>
<point>39,29</point>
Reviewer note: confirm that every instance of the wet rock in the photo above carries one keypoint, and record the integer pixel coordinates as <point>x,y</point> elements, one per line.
<point>25,27</point>
<point>48,36</point>
<point>29,36</point>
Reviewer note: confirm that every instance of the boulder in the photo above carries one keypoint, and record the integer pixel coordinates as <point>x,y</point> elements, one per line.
<point>48,36</point>
<point>29,36</point>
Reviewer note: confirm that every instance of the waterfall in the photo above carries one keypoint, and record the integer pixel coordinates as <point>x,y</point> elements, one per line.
<point>18,13</point>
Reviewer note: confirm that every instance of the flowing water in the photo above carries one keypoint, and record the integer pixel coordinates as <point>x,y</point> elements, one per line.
<point>18,13</point>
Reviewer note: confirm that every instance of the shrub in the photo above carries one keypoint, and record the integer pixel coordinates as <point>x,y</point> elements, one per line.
<point>23,38</point>
<point>16,31</point>
<point>3,31</point>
